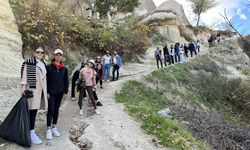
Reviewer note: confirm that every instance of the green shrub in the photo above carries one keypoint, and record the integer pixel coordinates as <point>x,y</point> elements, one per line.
<point>42,26</point>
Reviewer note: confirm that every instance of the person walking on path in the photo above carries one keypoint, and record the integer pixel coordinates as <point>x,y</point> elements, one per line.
<point>33,77</point>
<point>181,54</point>
<point>58,84</point>
<point>198,45</point>
<point>89,74</point>
<point>166,55</point>
<point>185,50</point>
<point>176,52</point>
<point>75,77</point>
<point>106,61</point>
<point>99,71</point>
<point>158,57</point>
<point>191,47</point>
<point>117,61</point>
<point>172,54</point>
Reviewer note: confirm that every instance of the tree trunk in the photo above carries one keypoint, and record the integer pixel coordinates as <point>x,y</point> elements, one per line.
<point>198,20</point>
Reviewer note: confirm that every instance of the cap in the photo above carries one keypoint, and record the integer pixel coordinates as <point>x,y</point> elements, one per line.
<point>58,51</point>
<point>98,57</point>
<point>39,49</point>
<point>92,61</point>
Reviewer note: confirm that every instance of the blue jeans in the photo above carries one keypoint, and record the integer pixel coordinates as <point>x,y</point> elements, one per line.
<point>106,67</point>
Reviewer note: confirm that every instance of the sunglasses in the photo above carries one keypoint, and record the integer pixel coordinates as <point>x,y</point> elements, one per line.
<point>40,52</point>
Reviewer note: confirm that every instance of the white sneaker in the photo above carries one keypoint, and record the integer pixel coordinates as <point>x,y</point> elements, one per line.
<point>34,138</point>
<point>107,80</point>
<point>55,132</point>
<point>97,112</point>
<point>81,112</point>
<point>72,98</point>
<point>49,134</point>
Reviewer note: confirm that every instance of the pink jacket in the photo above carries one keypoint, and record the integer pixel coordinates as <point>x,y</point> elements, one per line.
<point>89,76</point>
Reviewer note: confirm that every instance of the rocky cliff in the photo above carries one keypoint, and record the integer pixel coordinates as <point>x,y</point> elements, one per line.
<point>172,5</point>
<point>10,42</point>
<point>146,6</point>
<point>171,22</point>
<point>10,55</point>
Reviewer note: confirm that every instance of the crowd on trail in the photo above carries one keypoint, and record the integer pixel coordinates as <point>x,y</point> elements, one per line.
<point>176,53</point>
<point>213,38</point>
<point>49,84</point>
<point>99,71</point>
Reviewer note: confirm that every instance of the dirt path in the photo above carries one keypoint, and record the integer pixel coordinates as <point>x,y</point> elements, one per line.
<point>114,129</point>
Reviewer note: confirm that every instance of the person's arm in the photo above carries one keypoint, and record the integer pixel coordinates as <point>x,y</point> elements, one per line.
<point>94,77</point>
<point>66,81</point>
<point>48,78</point>
<point>120,61</point>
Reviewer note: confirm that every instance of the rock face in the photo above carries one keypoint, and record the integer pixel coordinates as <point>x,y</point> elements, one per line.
<point>10,42</point>
<point>10,57</point>
<point>146,6</point>
<point>171,22</point>
<point>173,6</point>
<point>161,18</point>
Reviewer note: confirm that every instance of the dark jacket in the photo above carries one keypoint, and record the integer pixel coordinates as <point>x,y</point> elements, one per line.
<point>191,47</point>
<point>57,80</point>
<point>165,51</point>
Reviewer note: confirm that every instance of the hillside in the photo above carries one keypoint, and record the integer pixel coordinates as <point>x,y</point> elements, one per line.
<point>209,95</point>
<point>203,103</point>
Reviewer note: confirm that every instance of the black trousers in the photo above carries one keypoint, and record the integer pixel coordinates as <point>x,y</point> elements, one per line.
<point>157,62</point>
<point>193,52</point>
<point>167,59</point>
<point>33,113</point>
<point>98,79</point>
<point>74,79</point>
<point>54,103</point>
<point>116,69</point>
<point>171,59</point>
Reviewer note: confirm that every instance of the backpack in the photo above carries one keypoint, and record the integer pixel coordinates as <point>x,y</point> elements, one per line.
<point>80,84</point>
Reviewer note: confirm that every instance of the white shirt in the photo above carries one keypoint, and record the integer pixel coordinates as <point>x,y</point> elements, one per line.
<point>106,59</point>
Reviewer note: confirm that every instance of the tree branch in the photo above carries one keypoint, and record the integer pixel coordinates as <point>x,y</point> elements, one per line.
<point>230,24</point>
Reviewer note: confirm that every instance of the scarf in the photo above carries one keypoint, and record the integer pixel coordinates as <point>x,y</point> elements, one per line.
<point>58,66</point>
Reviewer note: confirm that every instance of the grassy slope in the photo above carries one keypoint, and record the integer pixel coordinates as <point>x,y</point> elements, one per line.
<point>199,83</point>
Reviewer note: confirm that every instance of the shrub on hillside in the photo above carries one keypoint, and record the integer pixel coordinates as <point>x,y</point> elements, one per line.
<point>42,26</point>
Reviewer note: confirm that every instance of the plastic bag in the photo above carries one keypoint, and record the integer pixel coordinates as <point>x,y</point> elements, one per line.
<point>16,126</point>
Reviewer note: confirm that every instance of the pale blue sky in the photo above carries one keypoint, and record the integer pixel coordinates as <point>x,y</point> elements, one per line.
<point>237,10</point>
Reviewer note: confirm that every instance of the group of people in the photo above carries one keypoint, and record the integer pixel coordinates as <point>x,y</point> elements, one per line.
<point>49,84</point>
<point>98,70</point>
<point>176,53</point>
<point>212,38</point>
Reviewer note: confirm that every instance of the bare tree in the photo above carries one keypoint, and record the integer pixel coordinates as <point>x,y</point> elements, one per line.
<point>201,6</point>
<point>244,43</point>
<point>227,20</point>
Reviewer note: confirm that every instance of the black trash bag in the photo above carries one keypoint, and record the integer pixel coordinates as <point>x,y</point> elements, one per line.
<point>16,126</point>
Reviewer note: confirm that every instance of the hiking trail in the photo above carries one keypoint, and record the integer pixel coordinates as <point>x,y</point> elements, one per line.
<point>113,129</point>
